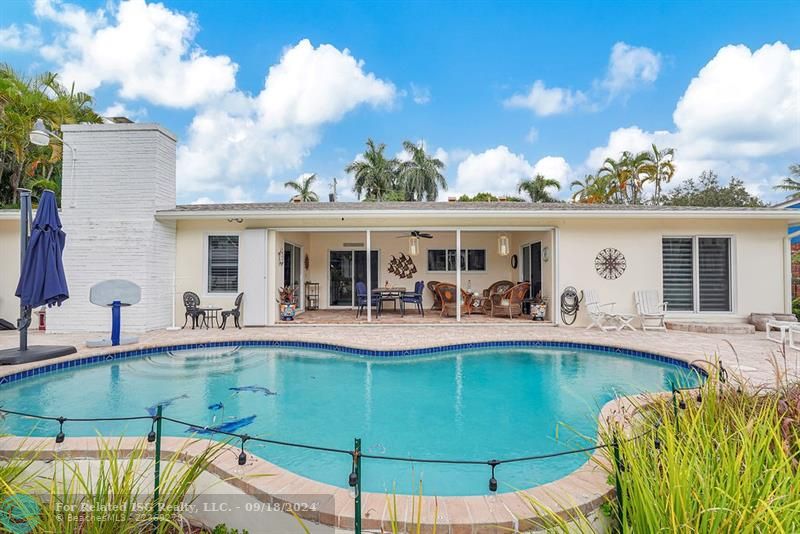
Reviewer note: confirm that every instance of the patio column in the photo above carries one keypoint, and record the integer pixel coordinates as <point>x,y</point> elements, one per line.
<point>272,277</point>
<point>369,276</point>
<point>458,274</point>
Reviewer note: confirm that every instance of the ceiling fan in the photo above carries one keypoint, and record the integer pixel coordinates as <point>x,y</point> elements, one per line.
<point>417,233</point>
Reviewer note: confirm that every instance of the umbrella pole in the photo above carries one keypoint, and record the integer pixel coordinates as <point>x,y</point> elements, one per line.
<point>25,212</point>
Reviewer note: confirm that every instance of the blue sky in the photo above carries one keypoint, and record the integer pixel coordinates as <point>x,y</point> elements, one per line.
<point>497,90</point>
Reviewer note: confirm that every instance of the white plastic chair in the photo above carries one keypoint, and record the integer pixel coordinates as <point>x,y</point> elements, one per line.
<point>784,329</point>
<point>794,336</point>
<point>652,311</point>
<point>601,315</point>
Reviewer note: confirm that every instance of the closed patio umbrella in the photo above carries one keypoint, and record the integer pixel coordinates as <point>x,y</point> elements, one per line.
<point>42,280</point>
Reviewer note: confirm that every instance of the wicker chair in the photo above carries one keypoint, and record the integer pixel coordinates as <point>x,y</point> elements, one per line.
<point>510,301</point>
<point>437,303</point>
<point>192,304</point>
<point>447,296</point>
<point>498,287</point>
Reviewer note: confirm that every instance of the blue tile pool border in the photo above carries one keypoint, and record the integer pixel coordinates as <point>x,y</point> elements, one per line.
<point>373,353</point>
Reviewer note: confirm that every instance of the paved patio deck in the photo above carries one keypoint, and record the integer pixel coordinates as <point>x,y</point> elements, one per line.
<point>751,358</point>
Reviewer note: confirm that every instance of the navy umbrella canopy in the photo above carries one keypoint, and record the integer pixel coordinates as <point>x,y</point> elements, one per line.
<point>42,280</point>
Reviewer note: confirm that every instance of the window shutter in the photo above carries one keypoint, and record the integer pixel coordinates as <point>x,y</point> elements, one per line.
<point>678,275</point>
<point>714,272</point>
<point>223,263</point>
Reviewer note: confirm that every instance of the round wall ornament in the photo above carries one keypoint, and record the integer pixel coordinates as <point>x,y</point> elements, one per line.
<point>610,263</point>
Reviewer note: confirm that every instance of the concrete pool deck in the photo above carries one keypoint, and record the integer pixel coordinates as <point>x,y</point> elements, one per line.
<point>584,489</point>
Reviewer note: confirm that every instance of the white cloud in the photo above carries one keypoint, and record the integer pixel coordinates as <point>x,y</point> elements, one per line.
<point>118,109</point>
<point>742,107</point>
<point>420,95</point>
<point>497,171</point>
<point>26,37</point>
<point>147,50</point>
<point>630,66</point>
<point>239,137</point>
<point>203,200</point>
<point>544,101</point>
<point>532,136</point>
<point>554,167</point>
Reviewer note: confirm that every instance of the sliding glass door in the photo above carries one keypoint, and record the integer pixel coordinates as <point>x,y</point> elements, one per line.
<point>346,268</point>
<point>532,267</point>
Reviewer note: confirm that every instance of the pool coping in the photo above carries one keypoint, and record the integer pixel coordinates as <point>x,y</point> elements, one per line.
<point>583,490</point>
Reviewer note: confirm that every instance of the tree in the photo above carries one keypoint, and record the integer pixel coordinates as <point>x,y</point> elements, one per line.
<point>660,169</point>
<point>536,188</point>
<point>374,175</point>
<point>22,101</point>
<point>421,176</point>
<point>302,186</point>
<point>791,183</point>
<point>488,197</point>
<point>707,192</point>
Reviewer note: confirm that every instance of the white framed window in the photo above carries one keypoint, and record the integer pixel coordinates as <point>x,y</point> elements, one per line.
<point>697,273</point>
<point>442,260</point>
<point>222,263</point>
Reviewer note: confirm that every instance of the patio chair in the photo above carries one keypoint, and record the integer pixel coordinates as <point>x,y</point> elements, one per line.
<point>414,298</point>
<point>235,312</point>
<point>361,299</point>
<point>437,302</point>
<point>447,296</point>
<point>498,287</point>
<point>192,304</point>
<point>651,310</point>
<point>602,315</point>
<point>510,301</point>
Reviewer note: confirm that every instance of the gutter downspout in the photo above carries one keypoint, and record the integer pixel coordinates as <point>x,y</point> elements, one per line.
<point>787,271</point>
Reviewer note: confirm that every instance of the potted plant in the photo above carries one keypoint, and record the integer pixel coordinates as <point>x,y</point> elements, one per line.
<point>287,299</point>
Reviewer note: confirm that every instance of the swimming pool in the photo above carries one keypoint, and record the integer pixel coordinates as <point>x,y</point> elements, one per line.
<point>466,403</point>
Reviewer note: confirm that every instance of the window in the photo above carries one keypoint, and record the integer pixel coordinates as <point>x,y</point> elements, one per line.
<point>223,263</point>
<point>697,273</point>
<point>444,260</point>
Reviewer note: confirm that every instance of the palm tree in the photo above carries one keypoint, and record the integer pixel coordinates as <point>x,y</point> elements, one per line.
<point>660,170</point>
<point>583,191</point>
<point>374,175</point>
<point>302,186</point>
<point>791,183</point>
<point>537,187</point>
<point>626,176</point>
<point>421,176</point>
<point>615,174</point>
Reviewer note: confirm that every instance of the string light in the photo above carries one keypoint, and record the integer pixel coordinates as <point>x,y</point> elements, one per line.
<point>492,480</point>
<point>242,455</point>
<point>151,436</point>
<point>60,435</point>
<point>352,480</point>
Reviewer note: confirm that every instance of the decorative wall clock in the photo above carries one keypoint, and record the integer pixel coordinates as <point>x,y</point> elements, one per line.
<point>610,263</point>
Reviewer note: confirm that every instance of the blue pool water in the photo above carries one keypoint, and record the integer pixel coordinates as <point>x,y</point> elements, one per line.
<point>468,404</point>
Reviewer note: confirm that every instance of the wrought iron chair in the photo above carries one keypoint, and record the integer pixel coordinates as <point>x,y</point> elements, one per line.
<point>235,312</point>
<point>192,304</point>
<point>414,298</point>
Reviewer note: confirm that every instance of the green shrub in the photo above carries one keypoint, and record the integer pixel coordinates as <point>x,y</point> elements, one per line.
<point>727,463</point>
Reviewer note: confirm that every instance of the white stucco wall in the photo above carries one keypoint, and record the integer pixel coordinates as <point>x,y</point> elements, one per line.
<point>9,267</point>
<point>757,261</point>
<point>124,173</point>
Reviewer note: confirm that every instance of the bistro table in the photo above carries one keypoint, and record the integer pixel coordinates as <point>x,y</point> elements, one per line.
<point>391,293</point>
<point>210,316</point>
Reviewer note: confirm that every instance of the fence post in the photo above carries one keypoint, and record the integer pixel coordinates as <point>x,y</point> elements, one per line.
<point>157,474</point>
<point>357,467</point>
<point>617,483</point>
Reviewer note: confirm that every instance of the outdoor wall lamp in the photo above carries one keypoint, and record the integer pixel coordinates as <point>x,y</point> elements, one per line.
<point>503,246</point>
<point>413,245</point>
<point>40,136</point>
<point>546,254</point>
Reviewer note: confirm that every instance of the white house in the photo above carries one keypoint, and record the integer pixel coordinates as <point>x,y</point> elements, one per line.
<point>122,221</point>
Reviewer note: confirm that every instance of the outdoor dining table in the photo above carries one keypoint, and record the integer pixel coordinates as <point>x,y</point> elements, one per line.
<point>211,315</point>
<point>391,293</point>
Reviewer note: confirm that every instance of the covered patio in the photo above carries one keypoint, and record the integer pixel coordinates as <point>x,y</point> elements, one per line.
<point>345,276</point>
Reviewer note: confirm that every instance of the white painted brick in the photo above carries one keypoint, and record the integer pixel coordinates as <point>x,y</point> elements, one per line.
<point>124,173</point>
